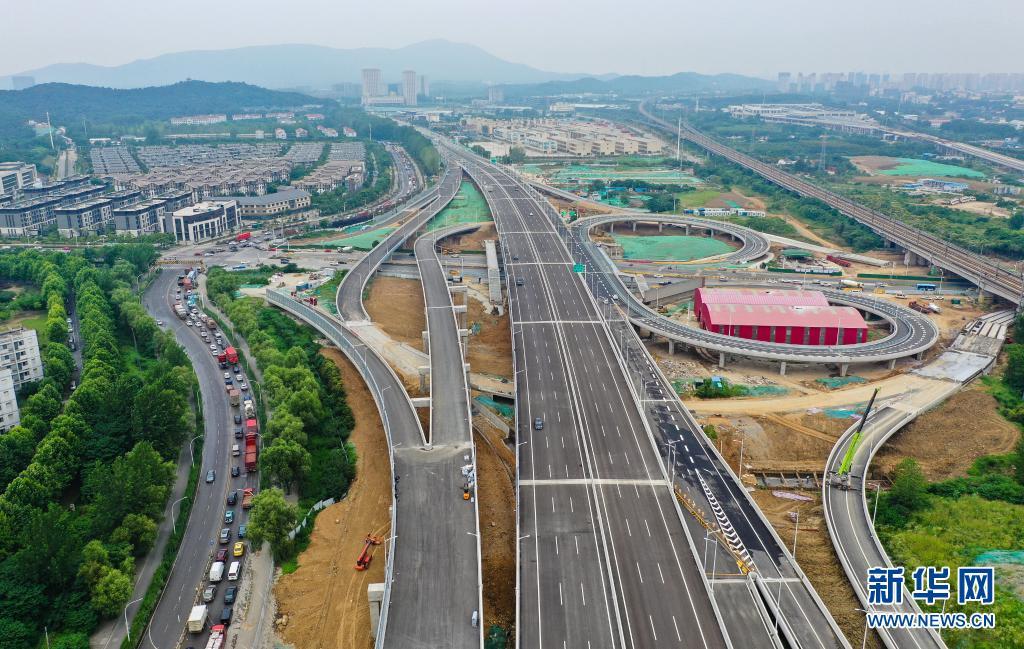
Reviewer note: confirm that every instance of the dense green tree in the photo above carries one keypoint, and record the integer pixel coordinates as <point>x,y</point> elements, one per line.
<point>285,461</point>
<point>271,519</point>
<point>136,530</point>
<point>909,487</point>
<point>137,483</point>
<point>1014,374</point>
<point>111,592</point>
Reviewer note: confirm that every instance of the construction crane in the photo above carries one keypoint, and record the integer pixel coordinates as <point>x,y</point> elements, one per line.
<point>841,478</point>
<point>363,562</point>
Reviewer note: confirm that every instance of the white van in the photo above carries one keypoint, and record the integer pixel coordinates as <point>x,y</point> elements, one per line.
<point>217,571</point>
<point>234,570</point>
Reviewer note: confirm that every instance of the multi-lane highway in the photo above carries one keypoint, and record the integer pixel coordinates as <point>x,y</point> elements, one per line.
<point>604,560</point>
<point>982,271</point>
<point>206,519</point>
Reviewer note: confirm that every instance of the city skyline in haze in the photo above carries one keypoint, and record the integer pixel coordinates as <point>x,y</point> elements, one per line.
<point>647,38</point>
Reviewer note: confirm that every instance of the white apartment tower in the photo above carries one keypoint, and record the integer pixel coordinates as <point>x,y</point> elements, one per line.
<point>372,84</point>
<point>409,87</point>
<point>19,353</point>
<point>10,416</point>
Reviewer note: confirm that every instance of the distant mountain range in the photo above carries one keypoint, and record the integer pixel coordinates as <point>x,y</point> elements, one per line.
<point>71,105</point>
<point>453,68</point>
<point>299,66</point>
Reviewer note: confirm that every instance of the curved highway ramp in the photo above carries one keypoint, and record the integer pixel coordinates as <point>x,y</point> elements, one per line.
<point>432,593</point>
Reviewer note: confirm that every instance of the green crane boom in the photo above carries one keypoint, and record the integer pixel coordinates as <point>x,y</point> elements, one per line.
<point>844,468</point>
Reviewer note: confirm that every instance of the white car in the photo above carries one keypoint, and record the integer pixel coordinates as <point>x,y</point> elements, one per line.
<point>213,348</point>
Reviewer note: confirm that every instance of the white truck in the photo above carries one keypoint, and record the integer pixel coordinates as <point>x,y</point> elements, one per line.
<point>216,572</point>
<point>250,410</point>
<point>216,640</point>
<point>197,619</point>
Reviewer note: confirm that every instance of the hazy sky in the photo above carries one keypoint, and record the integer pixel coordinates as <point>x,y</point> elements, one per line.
<point>640,36</point>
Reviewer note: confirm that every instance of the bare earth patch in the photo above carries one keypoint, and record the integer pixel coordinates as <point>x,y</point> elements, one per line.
<point>325,599</point>
<point>396,304</point>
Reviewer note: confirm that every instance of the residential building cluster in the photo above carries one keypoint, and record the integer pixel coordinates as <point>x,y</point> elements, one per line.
<point>566,137</point>
<point>375,91</point>
<point>184,155</point>
<point>284,201</point>
<point>236,177</point>
<point>198,120</point>
<point>874,81</point>
<point>304,153</point>
<point>112,160</point>
<point>345,167</point>
<point>15,176</point>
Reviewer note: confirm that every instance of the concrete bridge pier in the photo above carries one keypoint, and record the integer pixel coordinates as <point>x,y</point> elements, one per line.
<point>671,347</point>
<point>721,360</point>
<point>424,372</point>
<point>891,364</point>
<point>844,368</point>
<point>686,230</point>
<point>426,343</point>
<point>464,341</point>
<point>661,227</point>
<point>984,297</point>
<point>633,223</point>
<point>782,368</point>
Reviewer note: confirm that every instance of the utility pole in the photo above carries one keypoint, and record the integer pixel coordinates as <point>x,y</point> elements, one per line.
<point>49,127</point>
<point>679,135</point>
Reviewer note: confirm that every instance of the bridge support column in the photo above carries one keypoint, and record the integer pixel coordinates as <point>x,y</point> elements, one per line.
<point>782,368</point>
<point>611,228</point>
<point>375,595</point>
<point>844,368</point>
<point>671,347</point>
<point>426,343</point>
<point>984,297</point>
<point>686,230</point>
<point>909,258</point>
<point>661,227</point>
<point>464,339</point>
<point>424,378</point>
<point>891,364</point>
<point>634,226</point>
<point>919,355</point>
<point>721,359</point>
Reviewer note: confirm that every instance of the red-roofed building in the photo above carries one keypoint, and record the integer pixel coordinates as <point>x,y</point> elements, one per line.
<point>752,296</point>
<point>795,325</point>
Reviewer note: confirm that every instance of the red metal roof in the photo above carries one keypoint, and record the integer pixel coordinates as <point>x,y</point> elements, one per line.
<point>782,316</point>
<point>765,296</point>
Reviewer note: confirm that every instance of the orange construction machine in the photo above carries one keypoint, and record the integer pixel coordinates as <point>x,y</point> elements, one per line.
<point>363,562</point>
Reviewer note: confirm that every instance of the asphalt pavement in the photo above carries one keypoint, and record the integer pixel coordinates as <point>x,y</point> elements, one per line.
<point>189,572</point>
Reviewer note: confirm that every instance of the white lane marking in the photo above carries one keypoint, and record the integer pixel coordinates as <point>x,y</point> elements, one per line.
<point>678,636</point>
<point>648,527</point>
<point>640,574</point>
<point>660,573</point>
<point>652,627</point>
<point>584,594</point>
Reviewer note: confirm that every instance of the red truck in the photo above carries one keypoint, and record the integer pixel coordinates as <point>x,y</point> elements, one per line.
<point>838,261</point>
<point>222,360</point>
<point>242,236</point>
<point>231,355</point>
<point>247,498</point>
<point>186,284</point>
<point>251,450</point>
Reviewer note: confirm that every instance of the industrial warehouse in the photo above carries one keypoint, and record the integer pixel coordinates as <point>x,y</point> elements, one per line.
<point>790,317</point>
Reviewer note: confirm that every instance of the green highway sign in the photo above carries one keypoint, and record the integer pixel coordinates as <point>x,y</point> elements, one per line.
<point>579,268</point>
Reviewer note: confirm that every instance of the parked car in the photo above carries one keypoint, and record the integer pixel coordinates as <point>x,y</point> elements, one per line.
<point>230,594</point>
<point>225,615</point>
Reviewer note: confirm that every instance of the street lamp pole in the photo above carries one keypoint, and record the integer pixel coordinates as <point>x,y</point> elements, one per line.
<point>190,452</point>
<point>127,630</point>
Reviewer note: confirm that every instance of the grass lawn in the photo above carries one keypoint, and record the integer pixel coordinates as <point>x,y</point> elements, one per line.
<point>30,320</point>
<point>699,198</point>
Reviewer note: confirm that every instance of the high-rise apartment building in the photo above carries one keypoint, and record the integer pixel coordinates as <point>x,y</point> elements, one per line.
<point>372,84</point>
<point>409,87</point>
<point>424,86</point>
<point>19,353</point>
<point>10,416</point>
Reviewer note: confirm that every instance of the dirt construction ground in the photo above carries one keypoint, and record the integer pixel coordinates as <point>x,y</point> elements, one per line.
<point>325,599</point>
<point>495,471</point>
<point>968,422</point>
<point>396,305</point>
<point>490,351</point>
